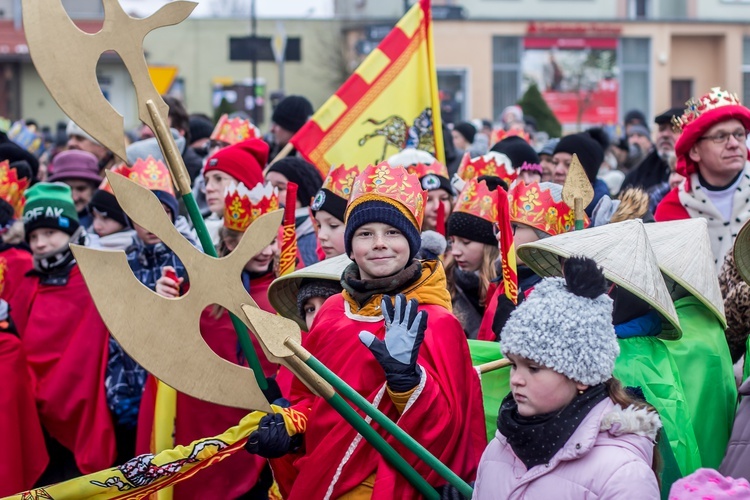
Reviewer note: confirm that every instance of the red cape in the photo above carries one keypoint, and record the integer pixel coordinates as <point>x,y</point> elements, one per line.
<point>446,417</point>
<point>670,208</point>
<point>66,345</point>
<point>238,473</point>
<point>25,455</point>
<point>14,264</point>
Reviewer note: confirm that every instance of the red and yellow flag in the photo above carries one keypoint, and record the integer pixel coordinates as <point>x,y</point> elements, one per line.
<point>507,247</point>
<point>389,103</point>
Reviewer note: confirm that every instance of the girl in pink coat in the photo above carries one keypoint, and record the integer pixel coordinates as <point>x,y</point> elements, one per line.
<point>568,430</point>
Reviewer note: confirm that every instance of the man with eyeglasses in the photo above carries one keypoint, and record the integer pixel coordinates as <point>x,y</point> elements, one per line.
<point>712,156</point>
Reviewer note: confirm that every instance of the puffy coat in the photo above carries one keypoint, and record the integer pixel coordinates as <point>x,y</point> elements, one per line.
<point>608,456</point>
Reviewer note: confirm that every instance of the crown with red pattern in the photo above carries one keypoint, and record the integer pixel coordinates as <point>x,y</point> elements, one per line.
<point>392,185</point>
<point>243,206</point>
<point>541,206</point>
<point>12,187</point>
<point>431,175</point>
<point>493,164</point>
<point>340,180</point>
<point>715,99</point>
<point>476,199</point>
<point>234,130</point>
<point>150,173</point>
<point>500,134</point>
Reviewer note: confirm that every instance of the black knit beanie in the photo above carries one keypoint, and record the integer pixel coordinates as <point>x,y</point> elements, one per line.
<point>7,214</point>
<point>292,112</point>
<point>517,149</point>
<point>200,128</point>
<point>13,153</point>
<point>106,204</point>
<point>310,288</point>
<point>303,174</point>
<point>471,227</point>
<point>467,130</point>
<point>328,202</point>
<point>380,211</point>
<point>589,152</point>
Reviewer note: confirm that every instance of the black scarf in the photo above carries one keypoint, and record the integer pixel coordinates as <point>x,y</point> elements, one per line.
<point>468,283</point>
<point>536,439</point>
<point>363,290</point>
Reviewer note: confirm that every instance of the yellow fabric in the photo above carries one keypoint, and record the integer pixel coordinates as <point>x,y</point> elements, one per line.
<point>145,475</point>
<point>361,492</point>
<point>162,434</point>
<point>430,289</point>
<point>400,398</point>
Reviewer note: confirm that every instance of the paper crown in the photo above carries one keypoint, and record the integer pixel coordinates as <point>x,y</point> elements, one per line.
<point>150,173</point>
<point>476,199</point>
<point>696,107</point>
<point>500,134</point>
<point>494,164</point>
<point>234,130</point>
<point>340,180</point>
<point>243,206</point>
<point>535,206</point>
<point>12,188</point>
<point>429,174</point>
<point>383,182</point>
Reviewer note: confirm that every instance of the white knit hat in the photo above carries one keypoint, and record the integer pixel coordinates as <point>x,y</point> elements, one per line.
<point>566,325</point>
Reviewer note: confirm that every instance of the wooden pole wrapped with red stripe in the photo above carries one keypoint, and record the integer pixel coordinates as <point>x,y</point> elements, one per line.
<point>288,258</point>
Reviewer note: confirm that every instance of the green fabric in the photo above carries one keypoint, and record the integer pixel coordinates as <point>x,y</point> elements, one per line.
<point>495,384</point>
<point>645,362</point>
<point>49,200</point>
<point>746,366</point>
<point>705,365</point>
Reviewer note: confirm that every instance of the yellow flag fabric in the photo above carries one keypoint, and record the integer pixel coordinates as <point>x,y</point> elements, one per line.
<point>147,474</point>
<point>162,434</point>
<point>389,103</point>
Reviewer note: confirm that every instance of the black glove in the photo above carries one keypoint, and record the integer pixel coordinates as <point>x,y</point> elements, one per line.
<point>404,333</point>
<point>505,306</point>
<point>271,439</point>
<point>450,492</point>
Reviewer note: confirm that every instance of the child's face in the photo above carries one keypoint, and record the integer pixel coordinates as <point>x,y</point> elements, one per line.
<point>538,389</point>
<point>380,250</point>
<point>529,176</point>
<point>145,235</point>
<point>216,184</point>
<point>523,234</point>
<point>262,261</point>
<point>330,234</point>
<point>311,308</point>
<point>468,255</point>
<point>45,240</point>
<point>434,199</point>
<point>104,226</point>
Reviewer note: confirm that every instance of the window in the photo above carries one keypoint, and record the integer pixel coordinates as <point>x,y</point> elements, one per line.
<point>745,69</point>
<point>635,68</point>
<point>638,9</point>
<point>506,72</point>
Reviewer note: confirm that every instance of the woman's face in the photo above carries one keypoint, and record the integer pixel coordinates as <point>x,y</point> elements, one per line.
<point>538,389</point>
<point>561,162</point>
<point>330,234</point>
<point>280,182</point>
<point>216,183</point>
<point>434,199</point>
<point>468,255</point>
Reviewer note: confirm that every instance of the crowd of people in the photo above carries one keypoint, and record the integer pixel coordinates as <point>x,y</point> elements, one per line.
<point>626,341</point>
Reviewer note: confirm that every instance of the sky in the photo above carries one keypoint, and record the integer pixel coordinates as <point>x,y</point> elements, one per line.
<point>264,8</point>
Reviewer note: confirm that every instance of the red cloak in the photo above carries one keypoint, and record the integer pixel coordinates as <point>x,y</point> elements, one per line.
<point>444,414</point>
<point>670,208</point>
<point>66,343</point>
<point>14,264</point>
<point>25,456</point>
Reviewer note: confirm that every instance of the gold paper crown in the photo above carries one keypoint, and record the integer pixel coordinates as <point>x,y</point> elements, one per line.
<point>494,164</point>
<point>696,107</point>
<point>535,206</point>
<point>393,185</point>
<point>234,130</point>
<point>243,206</point>
<point>476,199</point>
<point>340,180</point>
<point>150,173</point>
<point>12,188</point>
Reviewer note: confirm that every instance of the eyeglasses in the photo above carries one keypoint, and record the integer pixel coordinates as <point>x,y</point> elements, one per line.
<point>723,137</point>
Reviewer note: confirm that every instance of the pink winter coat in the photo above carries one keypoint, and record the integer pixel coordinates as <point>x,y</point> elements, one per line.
<point>608,456</point>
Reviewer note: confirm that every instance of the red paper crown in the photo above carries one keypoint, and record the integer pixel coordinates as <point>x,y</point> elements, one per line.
<point>150,173</point>
<point>12,188</point>
<point>340,180</point>
<point>234,130</point>
<point>500,134</point>
<point>696,107</point>
<point>424,169</point>
<point>476,199</point>
<point>494,164</point>
<point>243,206</point>
<point>535,206</point>
<point>390,184</point>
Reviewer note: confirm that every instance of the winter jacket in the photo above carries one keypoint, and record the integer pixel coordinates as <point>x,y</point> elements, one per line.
<point>608,456</point>
<point>736,294</point>
<point>736,463</point>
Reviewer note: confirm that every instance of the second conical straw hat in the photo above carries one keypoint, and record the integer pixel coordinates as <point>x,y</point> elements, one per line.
<point>624,253</point>
<point>683,251</point>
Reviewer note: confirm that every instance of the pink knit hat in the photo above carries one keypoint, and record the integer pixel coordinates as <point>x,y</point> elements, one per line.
<point>709,484</point>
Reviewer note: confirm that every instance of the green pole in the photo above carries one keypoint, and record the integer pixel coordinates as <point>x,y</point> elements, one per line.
<point>389,425</point>
<point>380,444</point>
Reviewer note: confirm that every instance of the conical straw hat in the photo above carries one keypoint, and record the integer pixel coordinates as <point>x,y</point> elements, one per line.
<point>283,291</point>
<point>625,254</point>
<point>683,251</point>
<point>742,252</point>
